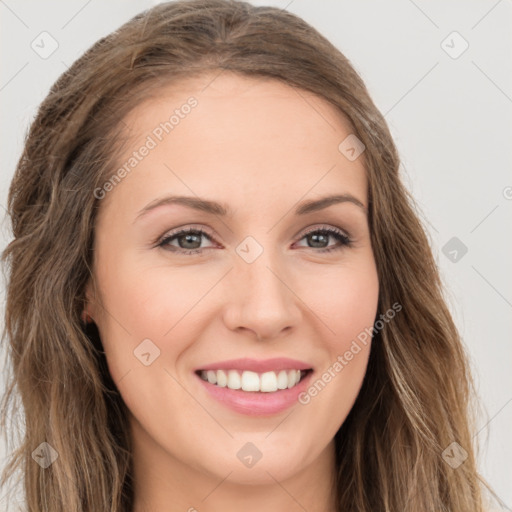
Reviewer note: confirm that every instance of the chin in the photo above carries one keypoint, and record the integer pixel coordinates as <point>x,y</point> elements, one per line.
<point>255,464</point>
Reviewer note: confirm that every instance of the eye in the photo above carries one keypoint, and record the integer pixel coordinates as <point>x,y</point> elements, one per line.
<point>189,240</point>
<point>320,236</point>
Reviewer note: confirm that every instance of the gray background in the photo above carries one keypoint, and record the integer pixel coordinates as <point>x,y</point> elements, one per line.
<point>450,115</point>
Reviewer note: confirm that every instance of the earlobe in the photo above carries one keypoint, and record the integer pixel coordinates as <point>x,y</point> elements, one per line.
<point>87,313</point>
<point>86,318</point>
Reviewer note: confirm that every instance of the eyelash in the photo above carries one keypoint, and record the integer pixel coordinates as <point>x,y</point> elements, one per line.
<point>344,240</point>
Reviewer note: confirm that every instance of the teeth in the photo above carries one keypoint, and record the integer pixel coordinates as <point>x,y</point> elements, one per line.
<point>293,378</point>
<point>250,381</point>
<point>222,379</point>
<point>234,381</point>
<point>282,380</point>
<point>267,382</point>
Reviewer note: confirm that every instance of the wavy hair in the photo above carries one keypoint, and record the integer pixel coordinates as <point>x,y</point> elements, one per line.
<point>417,396</point>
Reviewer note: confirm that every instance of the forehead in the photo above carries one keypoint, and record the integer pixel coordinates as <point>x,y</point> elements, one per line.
<point>242,137</point>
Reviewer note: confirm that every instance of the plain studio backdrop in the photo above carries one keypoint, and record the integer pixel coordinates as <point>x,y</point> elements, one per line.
<point>439,71</point>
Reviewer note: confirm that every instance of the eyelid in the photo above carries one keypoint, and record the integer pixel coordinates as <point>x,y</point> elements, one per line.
<point>319,227</point>
<point>187,227</point>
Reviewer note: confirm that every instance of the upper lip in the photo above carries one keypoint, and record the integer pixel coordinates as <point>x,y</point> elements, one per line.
<point>258,365</point>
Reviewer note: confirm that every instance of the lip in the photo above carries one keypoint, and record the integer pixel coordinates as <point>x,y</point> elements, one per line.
<point>258,365</point>
<point>255,403</point>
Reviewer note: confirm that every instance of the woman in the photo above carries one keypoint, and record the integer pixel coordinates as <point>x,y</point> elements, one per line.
<point>303,359</point>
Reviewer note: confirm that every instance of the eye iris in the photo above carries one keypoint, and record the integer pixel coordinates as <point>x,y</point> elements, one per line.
<point>189,238</point>
<point>318,238</point>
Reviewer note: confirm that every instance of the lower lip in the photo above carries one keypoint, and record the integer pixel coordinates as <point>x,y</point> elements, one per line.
<point>256,403</point>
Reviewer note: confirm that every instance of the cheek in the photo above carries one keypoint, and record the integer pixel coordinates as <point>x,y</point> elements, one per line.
<point>157,303</point>
<point>349,313</point>
<point>346,300</point>
<point>358,301</point>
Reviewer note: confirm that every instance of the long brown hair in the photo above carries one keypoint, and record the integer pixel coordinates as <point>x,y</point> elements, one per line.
<point>417,397</point>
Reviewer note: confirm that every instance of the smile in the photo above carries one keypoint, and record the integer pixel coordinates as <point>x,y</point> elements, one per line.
<point>254,387</point>
<point>246,380</point>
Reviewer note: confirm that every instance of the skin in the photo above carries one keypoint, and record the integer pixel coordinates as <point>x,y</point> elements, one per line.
<point>260,147</point>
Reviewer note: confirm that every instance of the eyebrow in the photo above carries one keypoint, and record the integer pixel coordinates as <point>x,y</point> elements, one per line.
<point>220,209</point>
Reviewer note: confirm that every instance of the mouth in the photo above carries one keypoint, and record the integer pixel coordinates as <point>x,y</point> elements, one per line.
<point>255,387</point>
<point>246,380</point>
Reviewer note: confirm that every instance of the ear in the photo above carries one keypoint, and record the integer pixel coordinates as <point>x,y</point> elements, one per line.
<point>89,310</point>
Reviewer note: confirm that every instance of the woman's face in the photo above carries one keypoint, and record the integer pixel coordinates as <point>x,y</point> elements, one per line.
<point>257,300</point>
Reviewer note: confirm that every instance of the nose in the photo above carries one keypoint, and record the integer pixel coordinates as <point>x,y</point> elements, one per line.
<point>260,298</point>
